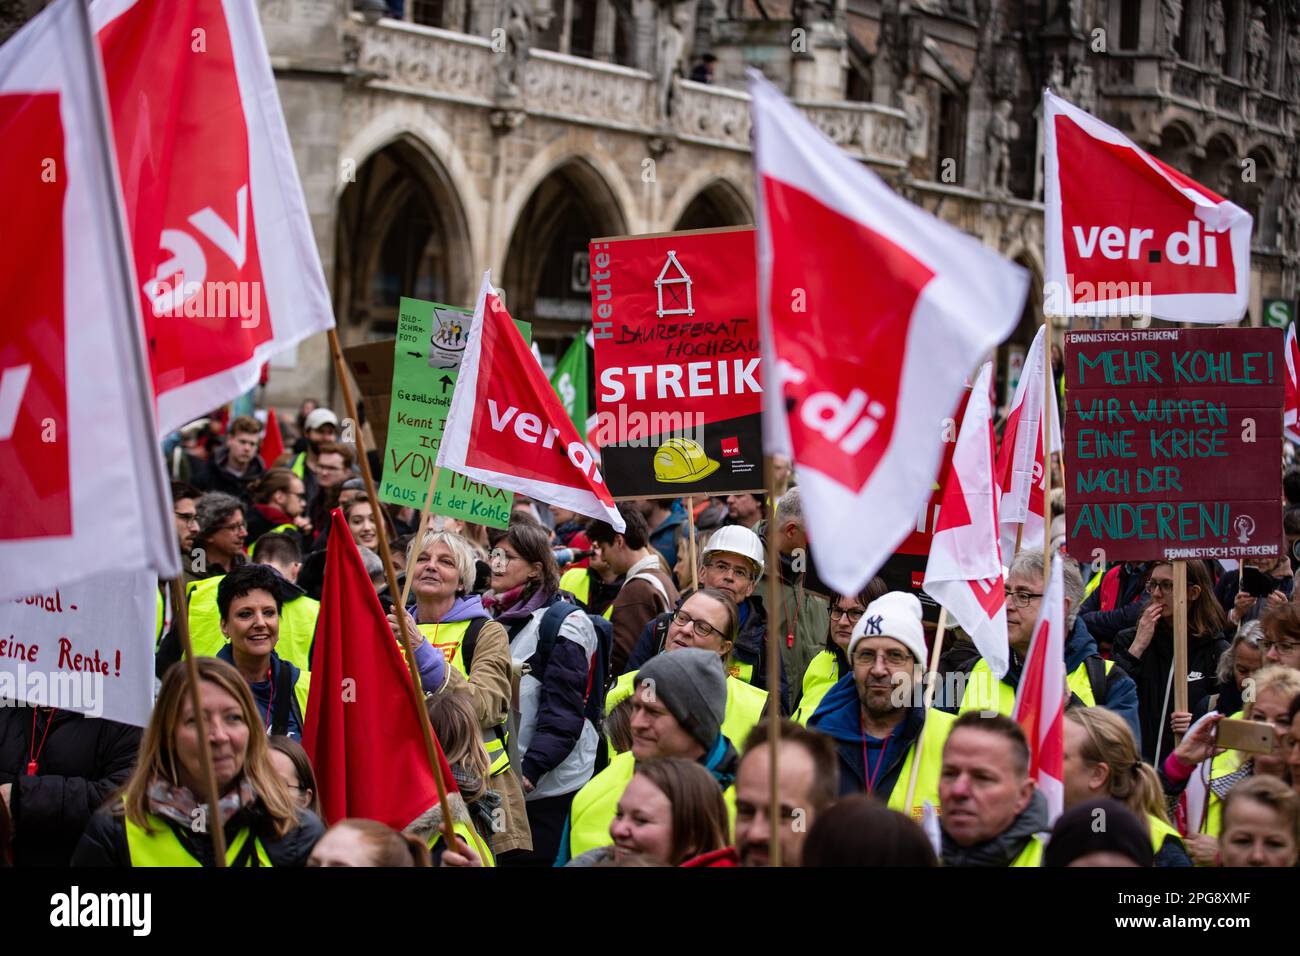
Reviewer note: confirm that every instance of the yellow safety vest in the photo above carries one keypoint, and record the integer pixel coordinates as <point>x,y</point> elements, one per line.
<point>470,835</point>
<point>577,581</point>
<point>985,693</point>
<point>158,628</point>
<point>299,466</point>
<point>163,848</point>
<point>449,638</point>
<point>1031,855</point>
<point>740,671</point>
<point>744,708</point>
<point>1225,763</point>
<point>297,624</point>
<point>822,674</point>
<point>596,804</point>
<point>937,726</point>
<point>1160,832</point>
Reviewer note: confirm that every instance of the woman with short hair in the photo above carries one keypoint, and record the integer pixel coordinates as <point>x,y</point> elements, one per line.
<point>162,817</point>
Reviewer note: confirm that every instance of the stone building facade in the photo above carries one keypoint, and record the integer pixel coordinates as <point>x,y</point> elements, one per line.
<point>438,138</point>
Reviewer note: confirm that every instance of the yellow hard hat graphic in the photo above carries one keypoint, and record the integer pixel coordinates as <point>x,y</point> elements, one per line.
<point>679,460</point>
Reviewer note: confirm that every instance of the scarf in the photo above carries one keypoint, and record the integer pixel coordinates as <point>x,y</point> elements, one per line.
<point>178,804</point>
<point>512,605</point>
<point>483,809</point>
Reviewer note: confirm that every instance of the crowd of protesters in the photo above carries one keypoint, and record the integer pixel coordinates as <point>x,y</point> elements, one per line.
<point>604,699</point>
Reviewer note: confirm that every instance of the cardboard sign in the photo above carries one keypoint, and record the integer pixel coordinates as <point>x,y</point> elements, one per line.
<point>86,646</point>
<point>678,378</point>
<point>1173,443</point>
<point>426,362</point>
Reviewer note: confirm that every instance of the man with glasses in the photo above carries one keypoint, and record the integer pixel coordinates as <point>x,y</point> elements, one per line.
<point>876,712</point>
<point>1092,680</point>
<point>731,561</point>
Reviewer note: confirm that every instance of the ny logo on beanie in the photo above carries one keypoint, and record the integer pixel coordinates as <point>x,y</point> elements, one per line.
<point>873,624</point>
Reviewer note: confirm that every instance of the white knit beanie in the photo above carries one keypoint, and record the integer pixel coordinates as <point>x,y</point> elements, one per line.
<point>896,614</point>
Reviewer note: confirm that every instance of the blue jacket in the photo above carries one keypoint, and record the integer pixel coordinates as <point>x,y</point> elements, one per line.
<point>663,538</point>
<point>262,691</point>
<point>839,716</point>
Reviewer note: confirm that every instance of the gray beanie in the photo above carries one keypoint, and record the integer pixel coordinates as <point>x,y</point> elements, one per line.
<point>693,686</point>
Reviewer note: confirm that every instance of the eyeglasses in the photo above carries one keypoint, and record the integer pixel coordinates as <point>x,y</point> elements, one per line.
<point>702,628</point>
<point>1153,586</point>
<point>1283,647</point>
<point>893,658</point>
<point>242,526</point>
<point>189,517</point>
<point>1022,598</point>
<point>722,567</point>
<point>853,613</point>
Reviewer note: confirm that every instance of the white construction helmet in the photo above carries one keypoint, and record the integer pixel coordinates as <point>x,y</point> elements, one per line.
<point>738,540</point>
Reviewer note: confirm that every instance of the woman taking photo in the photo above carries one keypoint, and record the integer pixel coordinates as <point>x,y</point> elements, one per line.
<point>155,823</point>
<point>1147,654</point>
<point>672,811</point>
<point>556,739</point>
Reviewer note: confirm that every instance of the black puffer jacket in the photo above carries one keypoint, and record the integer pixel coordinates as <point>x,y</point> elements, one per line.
<point>82,761</point>
<point>104,842</point>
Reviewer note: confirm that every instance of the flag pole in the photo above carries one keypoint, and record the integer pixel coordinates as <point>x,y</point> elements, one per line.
<point>417,698</point>
<point>925,712</point>
<point>1180,641</point>
<point>126,268</point>
<point>1047,452</point>
<point>419,534</point>
<point>690,519</point>
<point>773,571</point>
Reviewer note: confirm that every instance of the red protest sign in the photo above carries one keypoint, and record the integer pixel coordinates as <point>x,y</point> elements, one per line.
<point>678,383</point>
<point>1173,443</point>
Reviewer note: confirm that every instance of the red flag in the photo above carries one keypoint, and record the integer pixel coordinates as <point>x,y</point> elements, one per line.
<point>272,441</point>
<point>1020,467</point>
<point>1127,235</point>
<point>226,261</point>
<point>964,571</point>
<point>1291,418</point>
<point>79,463</point>
<point>873,312</point>
<point>363,733</point>
<point>1040,698</point>
<point>506,426</point>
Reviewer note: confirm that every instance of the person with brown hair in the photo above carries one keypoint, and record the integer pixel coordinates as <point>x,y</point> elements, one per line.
<point>1261,824</point>
<point>1101,760</point>
<point>294,767</point>
<point>672,811</point>
<point>235,464</point>
<point>355,842</point>
<point>861,831</point>
<point>1146,652</point>
<point>1281,640</point>
<point>162,818</point>
<point>279,504</point>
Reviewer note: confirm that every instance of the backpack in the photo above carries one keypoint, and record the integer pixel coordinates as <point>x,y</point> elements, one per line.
<point>548,632</point>
<point>1099,678</point>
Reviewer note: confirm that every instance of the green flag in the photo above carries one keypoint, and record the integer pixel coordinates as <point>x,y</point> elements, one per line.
<point>570,383</point>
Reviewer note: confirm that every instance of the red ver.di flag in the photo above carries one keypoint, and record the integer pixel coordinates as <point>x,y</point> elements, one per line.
<point>678,394</point>
<point>80,475</point>
<point>1040,698</point>
<point>874,312</point>
<point>964,572</point>
<point>506,426</point>
<point>225,258</point>
<point>1128,235</point>
<point>1291,411</point>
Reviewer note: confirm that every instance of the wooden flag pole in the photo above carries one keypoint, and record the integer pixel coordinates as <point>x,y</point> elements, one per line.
<point>180,614</point>
<point>690,518</point>
<point>925,712</point>
<point>417,698</point>
<point>1180,639</point>
<point>773,572</point>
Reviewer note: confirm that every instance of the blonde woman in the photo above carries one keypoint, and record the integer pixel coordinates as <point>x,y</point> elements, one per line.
<point>160,817</point>
<point>1102,760</point>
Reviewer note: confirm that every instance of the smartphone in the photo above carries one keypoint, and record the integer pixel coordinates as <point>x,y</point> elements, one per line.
<point>1252,736</point>
<point>1256,583</point>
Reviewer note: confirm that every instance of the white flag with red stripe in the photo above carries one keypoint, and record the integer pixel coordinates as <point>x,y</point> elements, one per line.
<point>227,268</point>
<point>964,570</point>
<point>1291,414</point>
<point>506,425</point>
<point>1021,463</point>
<point>1127,235</point>
<point>81,479</point>
<point>1040,698</point>
<point>873,312</point>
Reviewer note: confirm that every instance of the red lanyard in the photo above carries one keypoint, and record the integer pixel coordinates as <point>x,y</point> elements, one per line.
<point>793,624</point>
<point>270,700</point>
<point>34,755</point>
<point>880,761</point>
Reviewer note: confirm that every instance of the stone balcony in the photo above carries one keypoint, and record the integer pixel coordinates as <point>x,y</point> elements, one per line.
<point>412,60</point>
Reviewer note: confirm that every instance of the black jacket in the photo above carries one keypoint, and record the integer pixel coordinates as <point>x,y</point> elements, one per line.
<point>104,842</point>
<point>222,479</point>
<point>82,761</point>
<point>1151,674</point>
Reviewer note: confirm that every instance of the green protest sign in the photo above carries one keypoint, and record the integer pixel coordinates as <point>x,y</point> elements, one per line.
<point>426,363</point>
<point>570,384</point>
